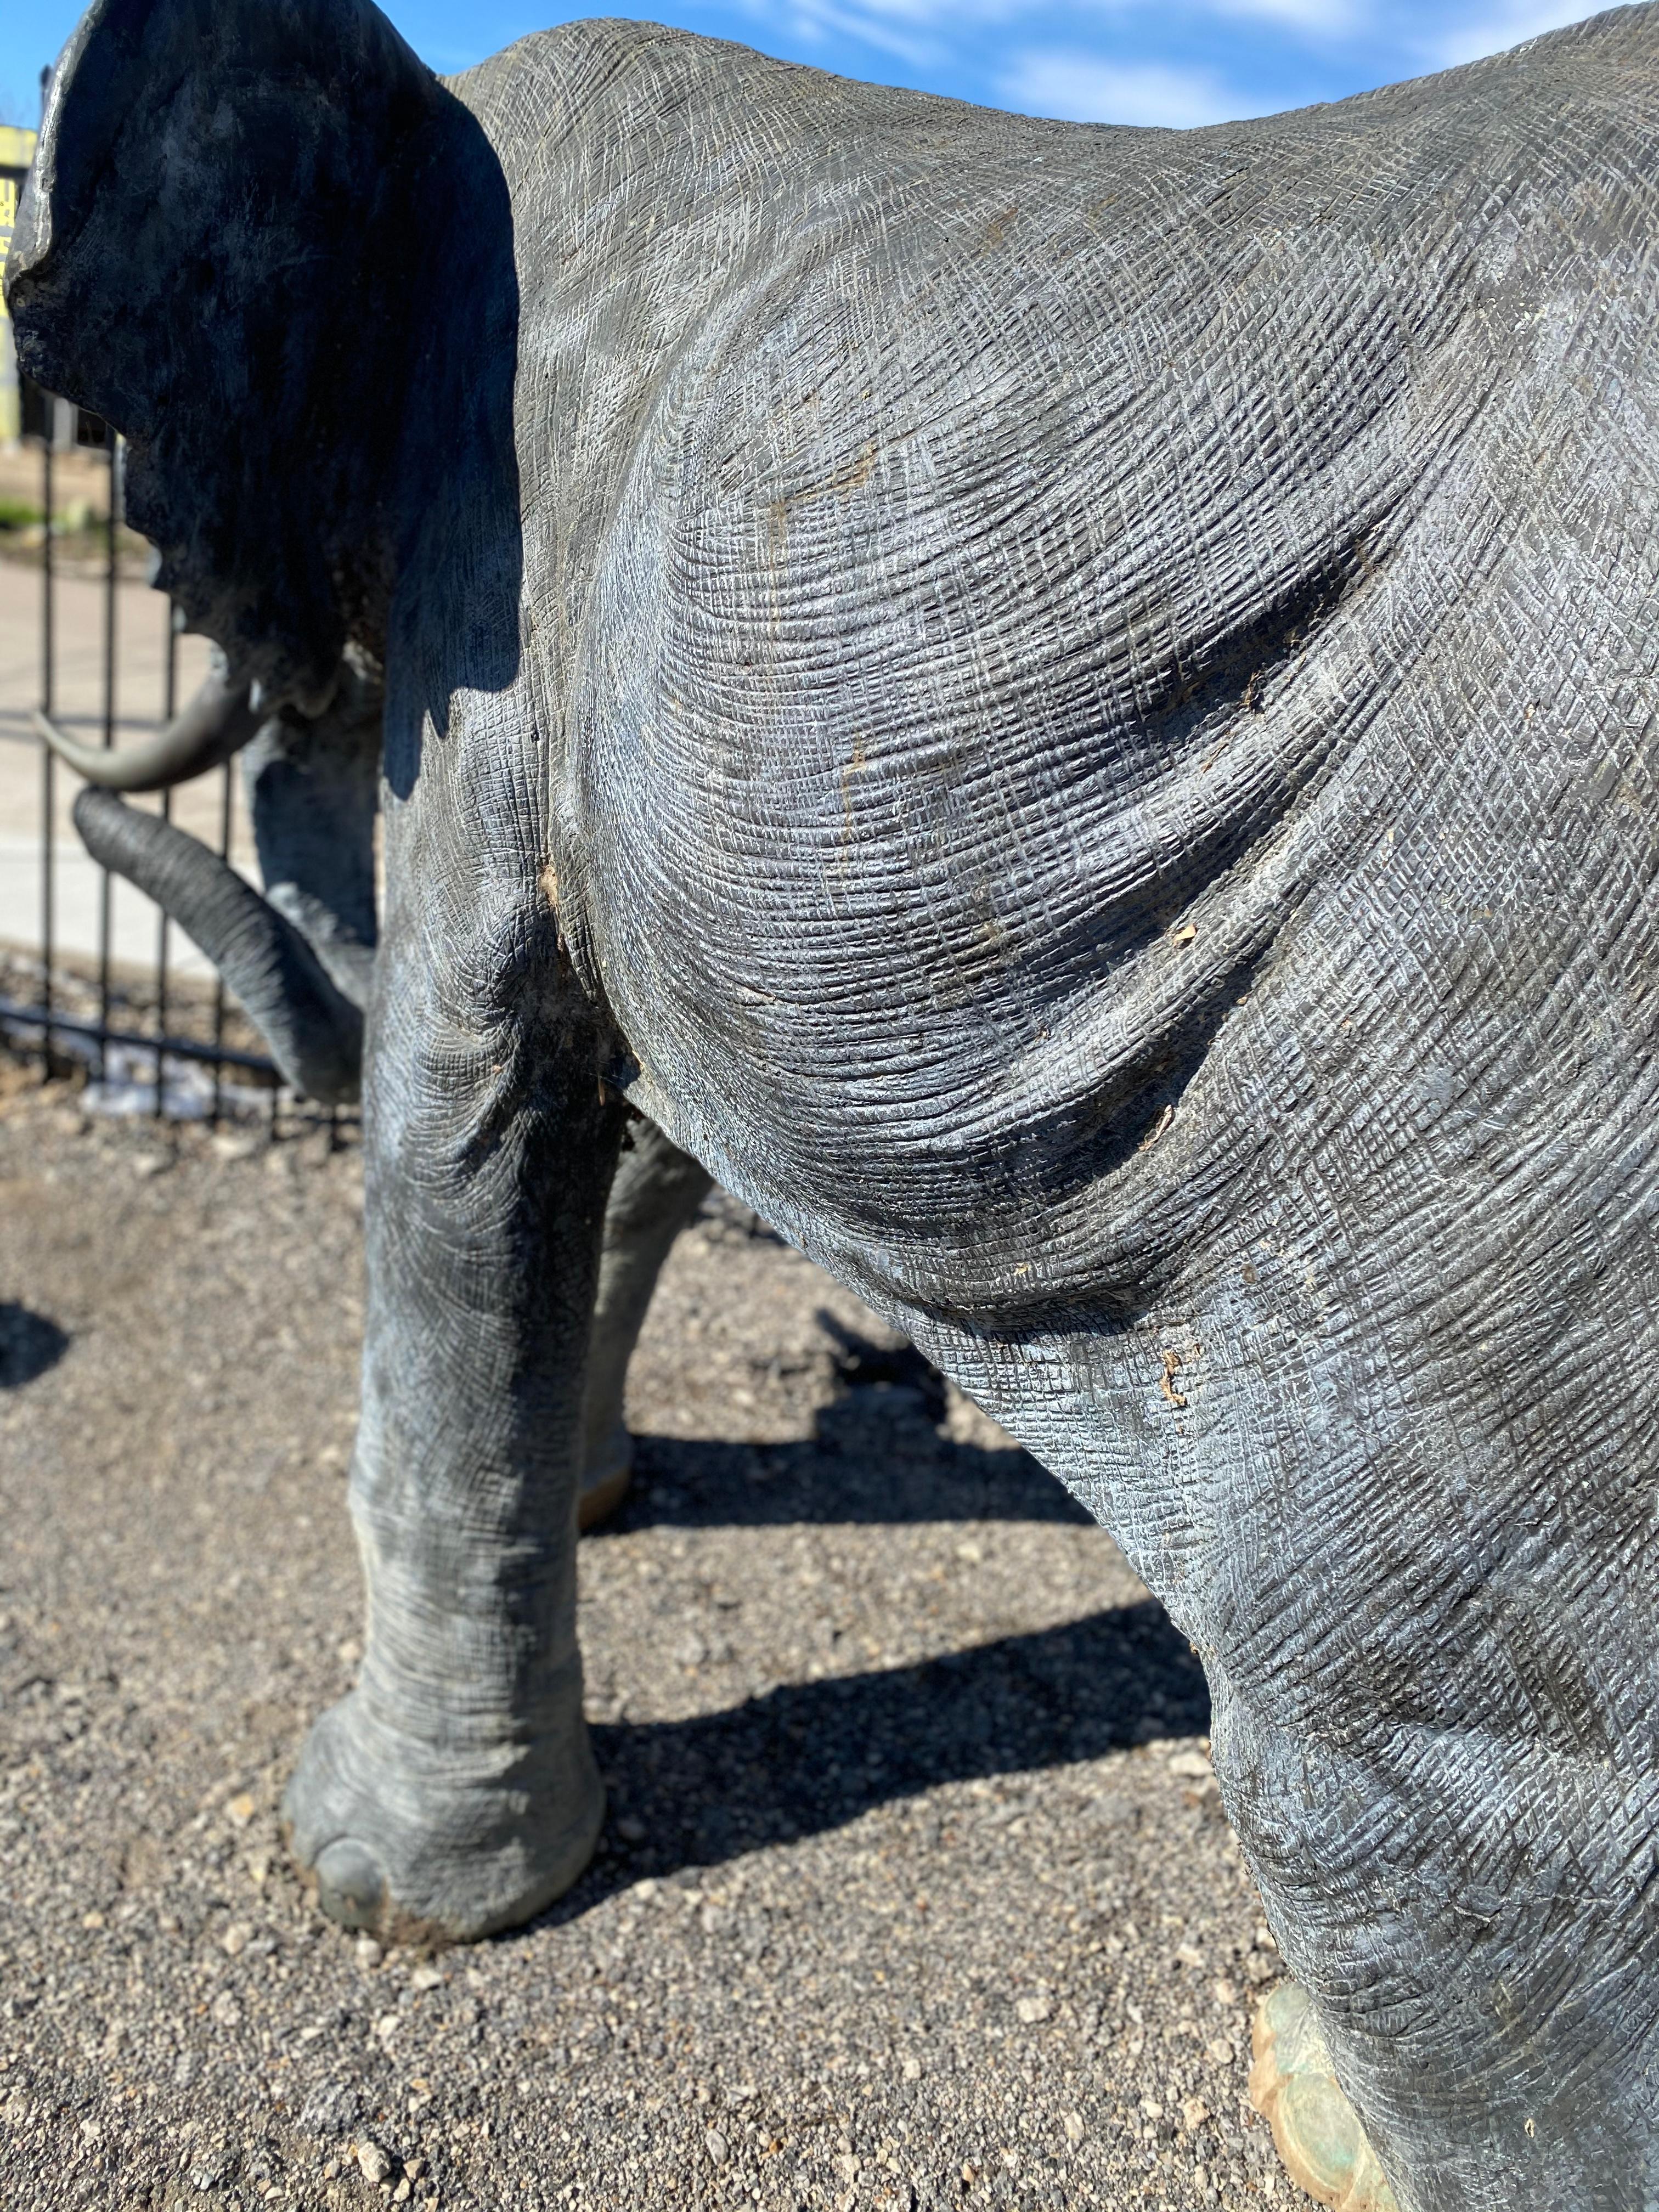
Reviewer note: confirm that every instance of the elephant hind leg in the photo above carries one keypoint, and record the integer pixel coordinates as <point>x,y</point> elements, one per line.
<point>656,1192</point>
<point>1316,2130</point>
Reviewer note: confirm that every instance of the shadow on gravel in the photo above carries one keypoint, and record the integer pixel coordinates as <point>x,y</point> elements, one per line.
<point>30,1345</point>
<point>869,1462</point>
<point>812,1756</point>
<point>877,1453</point>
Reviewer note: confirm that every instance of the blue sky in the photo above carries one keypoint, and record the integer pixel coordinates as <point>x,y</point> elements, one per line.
<point>1176,61</point>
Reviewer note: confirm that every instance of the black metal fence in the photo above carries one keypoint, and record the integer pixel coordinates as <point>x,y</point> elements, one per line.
<point>107,1023</point>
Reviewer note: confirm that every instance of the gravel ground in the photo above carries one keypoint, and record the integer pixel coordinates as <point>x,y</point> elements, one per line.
<point>915,1890</point>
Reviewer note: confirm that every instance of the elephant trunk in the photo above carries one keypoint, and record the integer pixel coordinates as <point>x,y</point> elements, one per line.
<point>218,721</point>
<point>314,1031</point>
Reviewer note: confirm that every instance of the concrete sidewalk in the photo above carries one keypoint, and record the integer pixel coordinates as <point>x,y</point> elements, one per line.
<point>79,659</point>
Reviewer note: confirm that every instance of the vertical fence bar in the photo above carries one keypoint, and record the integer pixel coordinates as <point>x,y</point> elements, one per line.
<point>227,790</point>
<point>169,708</point>
<point>48,760</point>
<point>55,1022</point>
<point>106,889</point>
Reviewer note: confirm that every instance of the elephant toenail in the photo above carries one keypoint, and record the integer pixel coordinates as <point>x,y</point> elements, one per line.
<point>351,1887</point>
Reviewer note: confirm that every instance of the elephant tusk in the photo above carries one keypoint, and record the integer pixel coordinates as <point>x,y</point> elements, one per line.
<point>314,1032</point>
<point>218,722</point>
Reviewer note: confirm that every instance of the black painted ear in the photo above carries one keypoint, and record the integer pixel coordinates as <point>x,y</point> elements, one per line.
<point>213,252</point>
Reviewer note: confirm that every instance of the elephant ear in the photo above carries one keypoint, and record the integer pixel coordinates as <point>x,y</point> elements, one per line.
<point>215,251</point>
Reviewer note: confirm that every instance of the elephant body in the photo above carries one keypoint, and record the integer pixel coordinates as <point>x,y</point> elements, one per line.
<point>1070,711</point>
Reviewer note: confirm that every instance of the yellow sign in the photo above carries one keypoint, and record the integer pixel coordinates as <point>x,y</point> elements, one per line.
<point>16,152</point>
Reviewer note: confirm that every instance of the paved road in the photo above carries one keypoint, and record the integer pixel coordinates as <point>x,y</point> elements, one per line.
<point>916,1893</point>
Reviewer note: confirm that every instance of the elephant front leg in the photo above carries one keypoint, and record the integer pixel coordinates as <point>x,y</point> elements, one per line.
<point>454,1791</point>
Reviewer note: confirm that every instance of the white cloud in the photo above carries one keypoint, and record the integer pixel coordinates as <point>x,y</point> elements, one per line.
<point>818,20</point>
<point>859,18</point>
<point>1329,19</point>
<point>1082,89</point>
<point>1507,27</point>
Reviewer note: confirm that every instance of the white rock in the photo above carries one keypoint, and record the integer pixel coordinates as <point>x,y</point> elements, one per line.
<point>1033,2009</point>
<point>719,2150</point>
<point>374,2161</point>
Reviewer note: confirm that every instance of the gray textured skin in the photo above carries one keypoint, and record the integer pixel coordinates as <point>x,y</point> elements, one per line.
<point>301,960</point>
<point>1071,710</point>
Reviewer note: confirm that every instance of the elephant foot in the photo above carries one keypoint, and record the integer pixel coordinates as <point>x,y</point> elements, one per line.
<point>1315,2129</point>
<point>609,1477</point>
<point>415,1843</point>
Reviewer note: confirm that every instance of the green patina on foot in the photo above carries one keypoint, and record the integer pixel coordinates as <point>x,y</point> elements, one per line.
<point>1315,2129</point>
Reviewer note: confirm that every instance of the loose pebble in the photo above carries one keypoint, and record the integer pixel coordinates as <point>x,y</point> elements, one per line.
<point>374,2161</point>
